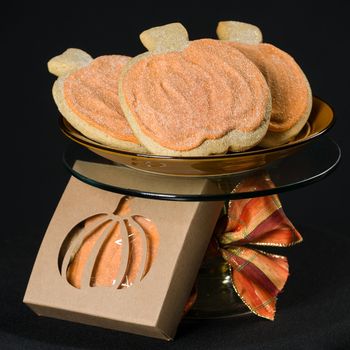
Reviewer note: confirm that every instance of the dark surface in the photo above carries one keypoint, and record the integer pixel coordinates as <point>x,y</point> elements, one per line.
<point>313,312</point>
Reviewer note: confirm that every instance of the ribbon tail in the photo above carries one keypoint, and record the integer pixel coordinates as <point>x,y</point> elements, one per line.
<point>257,278</point>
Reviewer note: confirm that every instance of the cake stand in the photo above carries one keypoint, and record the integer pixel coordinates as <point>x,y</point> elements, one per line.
<point>216,297</point>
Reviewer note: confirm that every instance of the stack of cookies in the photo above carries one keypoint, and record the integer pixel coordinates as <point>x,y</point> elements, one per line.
<point>185,98</point>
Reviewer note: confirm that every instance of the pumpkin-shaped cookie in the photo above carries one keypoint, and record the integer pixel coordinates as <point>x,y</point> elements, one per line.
<point>193,98</point>
<point>109,250</point>
<point>290,89</point>
<point>86,93</point>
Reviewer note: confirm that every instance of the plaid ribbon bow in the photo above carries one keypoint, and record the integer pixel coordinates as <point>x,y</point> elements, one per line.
<point>257,277</point>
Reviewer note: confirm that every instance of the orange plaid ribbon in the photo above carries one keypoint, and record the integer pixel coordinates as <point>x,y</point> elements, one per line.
<point>257,277</point>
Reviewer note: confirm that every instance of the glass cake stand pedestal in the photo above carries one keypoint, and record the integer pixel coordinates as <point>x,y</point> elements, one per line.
<point>216,297</point>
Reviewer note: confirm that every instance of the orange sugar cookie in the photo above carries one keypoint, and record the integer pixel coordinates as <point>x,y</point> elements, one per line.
<point>290,89</point>
<point>193,98</point>
<point>86,93</point>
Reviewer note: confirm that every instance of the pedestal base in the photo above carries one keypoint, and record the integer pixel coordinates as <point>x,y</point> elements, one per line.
<point>216,297</point>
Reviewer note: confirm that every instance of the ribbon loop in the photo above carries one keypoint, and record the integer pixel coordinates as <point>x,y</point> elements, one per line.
<point>257,277</point>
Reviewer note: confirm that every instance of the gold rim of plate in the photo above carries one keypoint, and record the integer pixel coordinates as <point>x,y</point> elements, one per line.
<point>321,120</point>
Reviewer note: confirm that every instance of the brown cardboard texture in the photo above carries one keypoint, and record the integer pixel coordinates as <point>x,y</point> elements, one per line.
<point>151,301</point>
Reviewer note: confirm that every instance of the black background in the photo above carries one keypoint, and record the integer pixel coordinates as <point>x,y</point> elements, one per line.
<point>313,312</point>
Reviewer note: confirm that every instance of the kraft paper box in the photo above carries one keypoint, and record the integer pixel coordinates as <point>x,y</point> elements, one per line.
<point>140,260</point>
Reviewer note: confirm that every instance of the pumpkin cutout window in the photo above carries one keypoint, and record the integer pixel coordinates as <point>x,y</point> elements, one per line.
<point>109,250</point>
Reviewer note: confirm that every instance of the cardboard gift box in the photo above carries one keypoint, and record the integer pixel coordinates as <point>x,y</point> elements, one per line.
<point>88,239</point>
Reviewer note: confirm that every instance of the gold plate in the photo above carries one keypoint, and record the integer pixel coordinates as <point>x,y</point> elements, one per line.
<point>320,120</point>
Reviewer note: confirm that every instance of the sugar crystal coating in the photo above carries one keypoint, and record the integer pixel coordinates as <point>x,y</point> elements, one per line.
<point>289,87</point>
<point>180,99</point>
<point>92,93</point>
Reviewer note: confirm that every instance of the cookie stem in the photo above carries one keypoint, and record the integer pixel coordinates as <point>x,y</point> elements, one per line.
<point>170,37</point>
<point>239,31</point>
<point>69,61</point>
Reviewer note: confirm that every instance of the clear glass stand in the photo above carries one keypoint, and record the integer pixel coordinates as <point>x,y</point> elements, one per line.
<point>216,297</point>
<point>303,167</point>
